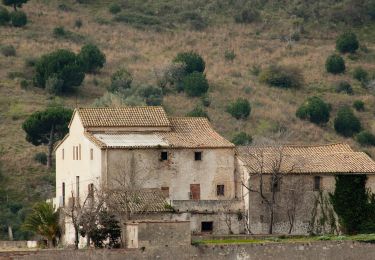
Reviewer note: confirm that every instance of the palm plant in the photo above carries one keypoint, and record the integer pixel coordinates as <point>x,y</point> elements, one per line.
<point>44,221</point>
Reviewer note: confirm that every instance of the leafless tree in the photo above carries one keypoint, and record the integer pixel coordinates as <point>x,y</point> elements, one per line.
<point>267,162</point>
<point>294,198</point>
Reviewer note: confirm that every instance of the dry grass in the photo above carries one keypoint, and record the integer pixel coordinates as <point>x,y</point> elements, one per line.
<point>142,51</point>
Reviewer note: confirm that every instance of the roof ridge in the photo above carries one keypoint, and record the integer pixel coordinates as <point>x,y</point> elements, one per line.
<point>296,145</point>
<point>143,106</point>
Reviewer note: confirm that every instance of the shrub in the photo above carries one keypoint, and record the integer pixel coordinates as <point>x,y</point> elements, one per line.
<point>335,64</point>
<point>359,105</point>
<point>59,32</point>
<point>8,50</point>
<point>120,80</point>
<point>54,85</point>
<point>197,22</point>
<point>242,138</point>
<point>344,86</point>
<point>195,84</point>
<point>114,8</point>
<point>239,109</point>
<point>198,111</point>
<point>360,74</point>
<point>192,60</point>
<point>229,55</point>
<point>62,64</point>
<point>30,61</point>
<point>205,99</point>
<point>91,58</point>
<point>18,18</point>
<point>78,23</point>
<point>347,42</point>
<point>247,16</point>
<point>365,138</point>
<point>172,75</point>
<point>4,16</point>
<point>24,84</point>
<point>315,110</point>
<point>346,123</point>
<point>41,158</point>
<point>153,96</point>
<point>282,77</point>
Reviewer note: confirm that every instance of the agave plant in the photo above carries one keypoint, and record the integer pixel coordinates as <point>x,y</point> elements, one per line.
<point>44,221</point>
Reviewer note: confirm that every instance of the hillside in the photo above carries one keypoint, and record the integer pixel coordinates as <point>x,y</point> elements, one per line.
<point>147,35</point>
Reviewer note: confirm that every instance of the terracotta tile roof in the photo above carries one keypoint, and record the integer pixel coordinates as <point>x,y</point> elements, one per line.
<point>141,116</point>
<point>186,132</point>
<point>140,201</point>
<point>335,158</point>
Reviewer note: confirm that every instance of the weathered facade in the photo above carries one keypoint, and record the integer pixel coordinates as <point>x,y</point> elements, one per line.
<point>306,175</point>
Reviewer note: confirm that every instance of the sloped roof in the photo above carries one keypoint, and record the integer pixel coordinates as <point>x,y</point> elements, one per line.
<point>186,132</point>
<point>140,116</point>
<point>333,158</point>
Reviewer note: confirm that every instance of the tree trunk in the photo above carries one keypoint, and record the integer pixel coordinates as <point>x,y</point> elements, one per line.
<point>50,147</point>
<point>10,232</point>
<point>15,7</point>
<point>88,240</point>
<point>76,235</point>
<point>270,228</point>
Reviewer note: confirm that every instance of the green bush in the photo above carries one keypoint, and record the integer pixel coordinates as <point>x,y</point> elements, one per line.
<point>193,61</point>
<point>315,110</point>
<point>195,84</point>
<point>346,123</point>
<point>18,18</point>
<point>239,109</point>
<point>347,42</point>
<point>120,80</point>
<point>62,64</point>
<point>281,77</point>
<point>78,23</point>
<point>114,8</point>
<point>24,84</point>
<point>92,58</point>
<point>247,16</point>
<point>54,85</point>
<point>30,61</point>
<point>4,16</point>
<point>198,111</point>
<point>365,138</point>
<point>205,99</point>
<point>41,158</point>
<point>359,105</point>
<point>59,31</point>
<point>153,96</point>
<point>242,138</point>
<point>8,50</point>
<point>196,21</point>
<point>335,64</point>
<point>360,74</point>
<point>229,55</point>
<point>344,86</point>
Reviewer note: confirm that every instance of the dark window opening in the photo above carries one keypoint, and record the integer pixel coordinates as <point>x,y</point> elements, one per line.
<point>275,185</point>
<point>198,156</point>
<point>77,186</point>
<point>195,192</point>
<point>220,190</point>
<point>63,194</point>
<point>163,156</point>
<point>91,190</point>
<point>207,226</point>
<point>317,181</point>
<point>261,218</point>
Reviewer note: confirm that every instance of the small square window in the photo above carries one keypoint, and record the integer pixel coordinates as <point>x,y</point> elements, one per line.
<point>163,156</point>
<point>220,190</point>
<point>207,226</point>
<point>198,156</point>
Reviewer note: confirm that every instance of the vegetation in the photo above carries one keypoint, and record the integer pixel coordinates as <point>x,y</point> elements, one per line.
<point>281,77</point>
<point>114,8</point>
<point>315,110</point>
<point>247,16</point>
<point>347,43</point>
<point>344,87</point>
<point>335,64</point>
<point>108,229</point>
<point>15,3</point>
<point>193,61</point>
<point>365,138</point>
<point>359,105</point>
<point>239,109</point>
<point>198,111</point>
<point>4,16</point>
<point>44,221</point>
<point>18,18</point>
<point>91,58</point>
<point>61,64</point>
<point>361,75</point>
<point>346,123</point>
<point>242,138</point>
<point>153,96</point>
<point>195,84</point>
<point>41,158</point>
<point>353,204</point>
<point>120,80</point>
<point>47,127</point>
<point>8,50</point>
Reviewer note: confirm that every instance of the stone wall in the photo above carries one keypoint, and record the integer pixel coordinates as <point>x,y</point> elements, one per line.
<point>281,251</point>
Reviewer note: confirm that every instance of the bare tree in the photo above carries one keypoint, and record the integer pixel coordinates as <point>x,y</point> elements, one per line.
<point>273,162</point>
<point>293,201</point>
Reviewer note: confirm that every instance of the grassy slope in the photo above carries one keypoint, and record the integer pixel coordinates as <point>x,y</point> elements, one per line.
<point>142,51</point>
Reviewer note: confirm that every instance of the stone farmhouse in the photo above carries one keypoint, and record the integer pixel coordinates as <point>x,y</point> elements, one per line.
<point>183,170</point>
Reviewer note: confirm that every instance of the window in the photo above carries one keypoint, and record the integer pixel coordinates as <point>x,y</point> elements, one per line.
<point>74,152</point>
<point>207,226</point>
<point>165,191</point>
<point>317,181</point>
<point>63,194</point>
<point>91,154</point>
<point>220,190</point>
<point>275,186</point>
<point>77,186</point>
<point>163,156</point>
<point>261,218</point>
<point>91,190</point>
<point>195,191</point>
<point>198,156</point>
<point>79,152</point>
<point>63,154</point>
